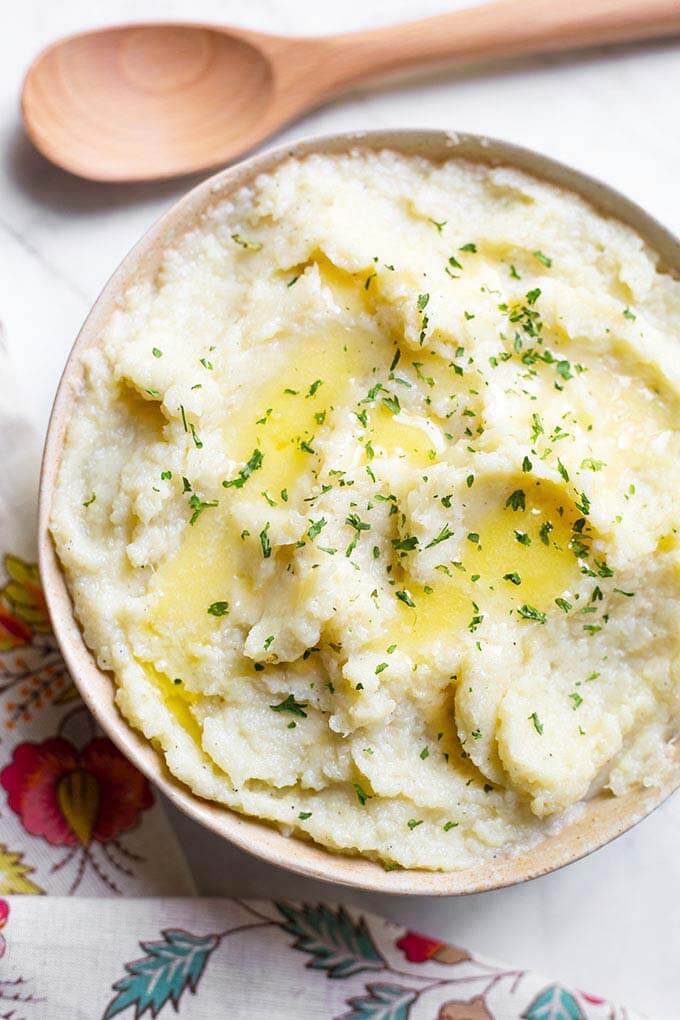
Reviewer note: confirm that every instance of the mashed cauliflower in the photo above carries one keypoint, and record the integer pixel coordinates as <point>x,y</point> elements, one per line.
<point>370,503</point>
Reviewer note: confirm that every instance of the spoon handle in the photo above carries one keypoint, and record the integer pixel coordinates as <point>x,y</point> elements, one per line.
<point>495,31</point>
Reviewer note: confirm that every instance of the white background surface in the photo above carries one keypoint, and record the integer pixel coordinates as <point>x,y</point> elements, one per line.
<point>610,924</point>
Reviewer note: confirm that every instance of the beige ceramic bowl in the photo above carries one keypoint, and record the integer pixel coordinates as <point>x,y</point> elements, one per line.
<point>603,817</point>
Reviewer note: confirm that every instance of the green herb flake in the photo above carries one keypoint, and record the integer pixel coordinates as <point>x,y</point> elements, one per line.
<point>531,613</point>
<point>362,796</point>
<point>157,353</point>
<point>443,535</point>
<point>218,608</point>
<point>244,243</point>
<point>543,259</point>
<point>516,500</point>
<point>538,725</point>
<point>513,577</point>
<point>406,598</point>
<point>289,704</point>
<point>198,506</point>
<point>90,500</point>
<point>265,543</point>
<point>244,474</point>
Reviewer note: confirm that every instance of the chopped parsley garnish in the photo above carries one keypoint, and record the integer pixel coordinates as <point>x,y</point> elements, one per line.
<point>315,527</point>
<point>526,465</point>
<point>244,474</point>
<point>538,725</point>
<point>563,605</point>
<point>628,314</point>
<point>207,364</point>
<point>380,667</point>
<point>443,535</point>
<point>516,500</point>
<point>198,506</point>
<point>392,403</point>
<point>531,613</point>
<point>576,699</point>
<point>157,353</point>
<point>522,537</point>
<point>166,476</point>
<point>513,577</point>
<point>289,704</point>
<point>413,823</point>
<point>406,544</point>
<point>362,796</point>
<point>425,753</point>
<point>404,597</point>
<point>544,531</point>
<point>450,825</point>
<point>537,428</point>
<point>314,387</point>
<point>244,243</point>
<point>473,537</point>
<point>468,247</point>
<point>304,815</point>
<point>218,608</point>
<point>562,470</point>
<point>265,543</point>
<point>543,259</point>
<point>90,500</point>
<point>440,226</point>
<point>197,442</point>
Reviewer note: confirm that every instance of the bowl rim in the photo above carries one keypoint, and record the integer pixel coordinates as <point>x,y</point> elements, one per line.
<point>595,823</point>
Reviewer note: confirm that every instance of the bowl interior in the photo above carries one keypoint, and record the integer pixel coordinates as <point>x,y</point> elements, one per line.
<point>592,825</point>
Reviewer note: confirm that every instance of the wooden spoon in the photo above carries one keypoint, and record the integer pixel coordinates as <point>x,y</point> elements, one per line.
<point>158,100</point>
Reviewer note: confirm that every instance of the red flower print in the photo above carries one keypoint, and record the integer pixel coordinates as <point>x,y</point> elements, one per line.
<point>419,948</point>
<point>4,915</point>
<point>14,633</point>
<point>594,999</point>
<point>72,797</point>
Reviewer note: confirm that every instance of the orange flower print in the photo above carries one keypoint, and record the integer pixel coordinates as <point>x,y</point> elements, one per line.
<point>76,798</point>
<point>473,1010</point>
<point>419,948</point>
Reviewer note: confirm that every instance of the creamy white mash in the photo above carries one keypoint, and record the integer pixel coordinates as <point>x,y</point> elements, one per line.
<point>370,503</point>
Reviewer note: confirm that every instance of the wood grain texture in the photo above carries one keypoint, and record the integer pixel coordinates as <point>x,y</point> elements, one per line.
<point>596,822</point>
<point>158,100</point>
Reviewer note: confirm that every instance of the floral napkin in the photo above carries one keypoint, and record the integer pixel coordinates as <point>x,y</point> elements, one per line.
<point>229,958</point>
<point>79,823</point>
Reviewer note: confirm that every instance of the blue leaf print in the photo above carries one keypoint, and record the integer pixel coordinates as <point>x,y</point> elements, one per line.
<point>383,1002</point>
<point>554,1003</point>
<point>336,943</point>
<point>168,969</point>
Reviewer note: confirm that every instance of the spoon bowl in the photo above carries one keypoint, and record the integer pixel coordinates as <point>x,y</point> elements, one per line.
<point>158,100</point>
<point>147,101</point>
